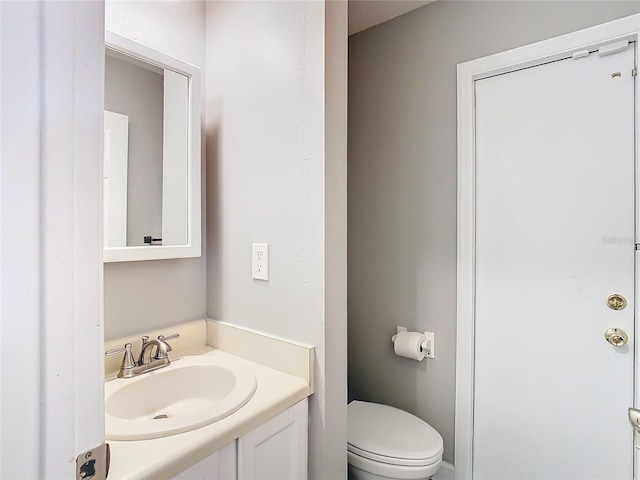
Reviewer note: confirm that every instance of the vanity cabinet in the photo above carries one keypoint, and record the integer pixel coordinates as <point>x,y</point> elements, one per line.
<point>220,465</point>
<point>275,450</point>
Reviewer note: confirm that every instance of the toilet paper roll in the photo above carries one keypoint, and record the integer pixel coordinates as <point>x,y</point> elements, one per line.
<point>409,345</point>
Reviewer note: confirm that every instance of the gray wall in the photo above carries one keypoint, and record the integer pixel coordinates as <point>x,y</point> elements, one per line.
<point>402,184</point>
<point>141,296</point>
<point>138,92</point>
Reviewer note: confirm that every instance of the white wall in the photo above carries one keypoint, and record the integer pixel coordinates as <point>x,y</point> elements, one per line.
<point>270,180</point>
<point>148,295</point>
<point>402,184</point>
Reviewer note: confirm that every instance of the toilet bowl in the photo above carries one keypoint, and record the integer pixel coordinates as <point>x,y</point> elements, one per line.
<point>384,442</point>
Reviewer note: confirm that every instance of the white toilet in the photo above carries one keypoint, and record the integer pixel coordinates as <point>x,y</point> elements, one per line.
<point>388,443</point>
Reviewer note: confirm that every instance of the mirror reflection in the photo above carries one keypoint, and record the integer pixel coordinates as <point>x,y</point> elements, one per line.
<point>146,153</point>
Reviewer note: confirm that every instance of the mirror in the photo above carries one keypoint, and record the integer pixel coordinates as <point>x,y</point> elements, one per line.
<point>151,154</point>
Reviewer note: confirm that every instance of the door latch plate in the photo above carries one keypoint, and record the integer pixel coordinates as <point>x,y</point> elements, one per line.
<point>94,464</point>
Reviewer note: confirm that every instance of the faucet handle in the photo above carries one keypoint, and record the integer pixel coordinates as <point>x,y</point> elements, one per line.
<point>166,348</point>
<point>113,351</point>
<point>128,361</point>
<point>162,338</point>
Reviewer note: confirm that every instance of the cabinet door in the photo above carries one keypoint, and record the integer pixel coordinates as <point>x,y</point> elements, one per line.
<point>276,450</point>
<point>220,465</point>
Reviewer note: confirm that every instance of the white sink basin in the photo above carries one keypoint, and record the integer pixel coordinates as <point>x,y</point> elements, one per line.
<point>188,394</point>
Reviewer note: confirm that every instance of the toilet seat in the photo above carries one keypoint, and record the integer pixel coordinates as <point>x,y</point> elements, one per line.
<point>404,462</point>
<point>391,436</point>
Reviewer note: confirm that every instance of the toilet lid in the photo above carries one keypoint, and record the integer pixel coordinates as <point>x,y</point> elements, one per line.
<point>387,434</point>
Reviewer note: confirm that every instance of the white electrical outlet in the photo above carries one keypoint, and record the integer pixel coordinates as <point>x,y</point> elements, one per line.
<point>260,261</point>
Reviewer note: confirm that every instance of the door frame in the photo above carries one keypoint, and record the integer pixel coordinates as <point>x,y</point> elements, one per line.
<point>51,328</point>
<point>627,28</point>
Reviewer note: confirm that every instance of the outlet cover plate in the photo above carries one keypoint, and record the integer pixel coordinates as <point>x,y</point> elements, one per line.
<point>260,261</point>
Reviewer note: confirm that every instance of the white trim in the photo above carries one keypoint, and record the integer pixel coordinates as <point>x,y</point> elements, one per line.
<point>52,337</point>
<point>627,28</point>
<point>194,163</point>
<point>20,448</point>
<point>72,332</point>
<point>636,390</point>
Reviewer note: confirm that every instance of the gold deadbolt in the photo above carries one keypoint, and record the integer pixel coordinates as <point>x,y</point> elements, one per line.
<point>616,337</point>
<point>616,302</point>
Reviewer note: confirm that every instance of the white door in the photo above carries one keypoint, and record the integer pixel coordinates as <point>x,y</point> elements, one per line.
<point>555,238</point>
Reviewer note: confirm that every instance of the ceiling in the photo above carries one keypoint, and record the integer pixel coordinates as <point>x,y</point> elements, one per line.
<point>367,13</point>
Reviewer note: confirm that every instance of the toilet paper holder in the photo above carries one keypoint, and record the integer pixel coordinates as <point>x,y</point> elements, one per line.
<point>427,345</point>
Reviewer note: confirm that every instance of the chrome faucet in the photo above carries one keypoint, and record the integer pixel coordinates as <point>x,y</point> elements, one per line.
<point>146,363</point>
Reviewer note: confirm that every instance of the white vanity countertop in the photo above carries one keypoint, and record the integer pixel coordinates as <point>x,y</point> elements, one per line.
<point>163,458</point>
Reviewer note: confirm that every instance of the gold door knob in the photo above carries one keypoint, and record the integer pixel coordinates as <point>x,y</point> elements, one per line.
<point>616,301</point>
<point>616,337</point>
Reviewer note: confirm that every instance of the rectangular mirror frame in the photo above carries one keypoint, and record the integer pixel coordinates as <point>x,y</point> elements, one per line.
<point>192,248</point>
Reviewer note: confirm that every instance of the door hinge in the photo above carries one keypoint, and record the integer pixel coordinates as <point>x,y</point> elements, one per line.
<point>580,54</point>
<point>634,72</point>
<point>612,48</point>
<point>94,464</point>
